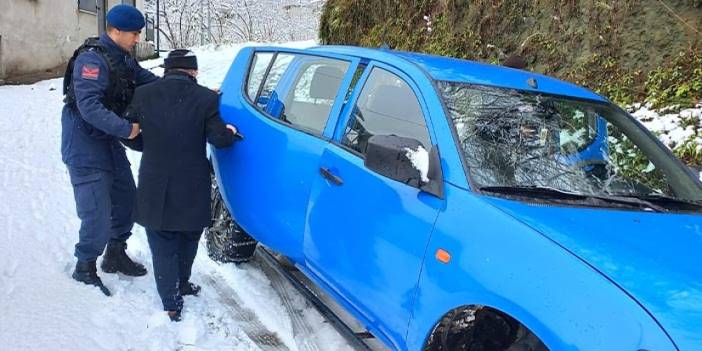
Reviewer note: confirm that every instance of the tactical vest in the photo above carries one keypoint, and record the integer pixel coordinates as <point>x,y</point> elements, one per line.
<point>120,89</point>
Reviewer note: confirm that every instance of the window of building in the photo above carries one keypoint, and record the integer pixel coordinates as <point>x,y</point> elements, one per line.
<point>87,5</point>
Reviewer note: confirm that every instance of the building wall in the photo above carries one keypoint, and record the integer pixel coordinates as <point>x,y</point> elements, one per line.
<point>37,35</point>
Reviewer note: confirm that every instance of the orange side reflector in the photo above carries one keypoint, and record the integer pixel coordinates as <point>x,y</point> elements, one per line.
<point>443,256</point>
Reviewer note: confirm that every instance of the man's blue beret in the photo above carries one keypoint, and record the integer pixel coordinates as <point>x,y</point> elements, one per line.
<point>125,18</point>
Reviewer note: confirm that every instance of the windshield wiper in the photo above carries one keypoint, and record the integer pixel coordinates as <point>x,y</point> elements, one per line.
<point>667,201</point>
<point>553,193</point>
<point>531,190</point>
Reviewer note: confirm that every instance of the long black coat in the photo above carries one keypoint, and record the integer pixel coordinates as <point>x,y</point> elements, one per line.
<point>177,118</point>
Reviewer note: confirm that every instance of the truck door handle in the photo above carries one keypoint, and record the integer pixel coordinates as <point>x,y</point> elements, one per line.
<point>326,173</point>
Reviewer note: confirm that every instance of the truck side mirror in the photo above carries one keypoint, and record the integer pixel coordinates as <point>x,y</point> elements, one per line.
<point>435,186</point>
<point>388,155</point>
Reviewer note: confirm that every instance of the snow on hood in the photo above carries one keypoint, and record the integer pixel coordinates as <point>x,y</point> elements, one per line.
<point>655,257</point>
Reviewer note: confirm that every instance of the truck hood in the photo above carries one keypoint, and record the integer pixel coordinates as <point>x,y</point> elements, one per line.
<point>654,257</point>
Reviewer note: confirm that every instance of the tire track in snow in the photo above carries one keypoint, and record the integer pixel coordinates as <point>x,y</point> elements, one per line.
<point>246,319</point>
<point>301,330</point>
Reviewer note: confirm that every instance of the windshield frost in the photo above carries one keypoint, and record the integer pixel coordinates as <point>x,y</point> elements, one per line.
<point>511,138</point>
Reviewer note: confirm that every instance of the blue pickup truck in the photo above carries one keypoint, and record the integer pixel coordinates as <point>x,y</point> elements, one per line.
<point>453,205</point>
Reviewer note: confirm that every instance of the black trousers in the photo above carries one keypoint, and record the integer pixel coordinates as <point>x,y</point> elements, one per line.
<point>173,254</point>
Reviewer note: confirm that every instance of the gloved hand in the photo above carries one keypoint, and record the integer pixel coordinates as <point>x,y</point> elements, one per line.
<point>237,135</point>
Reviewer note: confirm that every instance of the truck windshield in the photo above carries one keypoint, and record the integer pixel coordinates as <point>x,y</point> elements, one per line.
<point>513,139</point>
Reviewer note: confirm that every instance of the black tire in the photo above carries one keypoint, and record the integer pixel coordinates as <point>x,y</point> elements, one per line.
<point>226,241</point>
<point>481,329</point>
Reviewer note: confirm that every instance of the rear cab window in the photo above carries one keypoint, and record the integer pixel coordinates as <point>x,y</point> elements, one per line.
<point>297,89</point>
<point>257,71</point>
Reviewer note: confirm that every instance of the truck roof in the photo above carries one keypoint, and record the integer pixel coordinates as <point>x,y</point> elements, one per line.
<point>457,70</point>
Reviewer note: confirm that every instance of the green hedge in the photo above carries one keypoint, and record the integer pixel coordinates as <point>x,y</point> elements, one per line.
<point>627,50</point>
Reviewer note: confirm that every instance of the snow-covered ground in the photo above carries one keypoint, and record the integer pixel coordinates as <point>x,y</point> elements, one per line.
<point>676,128</point>
<point>673,128</point>
<point>42,308</point>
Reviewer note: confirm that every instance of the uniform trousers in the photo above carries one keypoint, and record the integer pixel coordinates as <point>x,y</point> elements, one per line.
<point>104,203</point>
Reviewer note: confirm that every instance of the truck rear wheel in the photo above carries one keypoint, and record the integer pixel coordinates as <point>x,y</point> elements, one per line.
<point>226,241</point>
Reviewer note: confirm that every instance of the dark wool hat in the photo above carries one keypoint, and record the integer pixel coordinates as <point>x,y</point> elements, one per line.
<point>180,58</point>
<point>125,18</point>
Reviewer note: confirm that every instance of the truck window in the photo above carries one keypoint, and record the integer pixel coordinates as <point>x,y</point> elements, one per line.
<point>387,105</point>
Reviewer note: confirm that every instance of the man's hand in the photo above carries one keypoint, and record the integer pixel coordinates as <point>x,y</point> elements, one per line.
<point>135,131</point>
<point>237,135</point>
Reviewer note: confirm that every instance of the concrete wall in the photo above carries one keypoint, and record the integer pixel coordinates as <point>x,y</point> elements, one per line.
<point>38,35</point>
<point>2,66</point>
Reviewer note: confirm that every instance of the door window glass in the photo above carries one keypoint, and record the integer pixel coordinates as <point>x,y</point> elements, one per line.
<point>313,93</point>
<point>387,105</point>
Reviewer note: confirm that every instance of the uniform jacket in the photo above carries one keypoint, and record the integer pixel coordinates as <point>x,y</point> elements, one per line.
<point>90,132</point>
<point>177,117</point>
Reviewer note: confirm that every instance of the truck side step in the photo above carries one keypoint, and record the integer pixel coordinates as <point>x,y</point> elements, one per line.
<point>355,339</point>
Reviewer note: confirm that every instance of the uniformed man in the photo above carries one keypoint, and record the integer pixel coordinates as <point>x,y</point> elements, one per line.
<point>177,117</point>
<point>98,86</point>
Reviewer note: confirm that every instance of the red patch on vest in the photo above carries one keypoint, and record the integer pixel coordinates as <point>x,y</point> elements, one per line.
<point>90,72</point>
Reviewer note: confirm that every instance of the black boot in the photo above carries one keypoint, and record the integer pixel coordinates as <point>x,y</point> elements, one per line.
<point>175,316</point>
<point>86,273</point>
<point>189,289</point>
<point>116,260</point>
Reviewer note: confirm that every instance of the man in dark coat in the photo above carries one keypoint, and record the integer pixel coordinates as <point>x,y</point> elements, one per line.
<point>98,86</point>
<point>177,118</point>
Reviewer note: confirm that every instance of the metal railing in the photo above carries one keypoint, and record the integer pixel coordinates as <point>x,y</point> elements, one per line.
<point>150,28</point>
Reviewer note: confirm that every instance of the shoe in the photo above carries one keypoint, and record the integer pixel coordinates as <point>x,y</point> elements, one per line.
<point>189,289</point>
<point>86,273</point>
<point>116,260</point>
<point>175,316</point>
